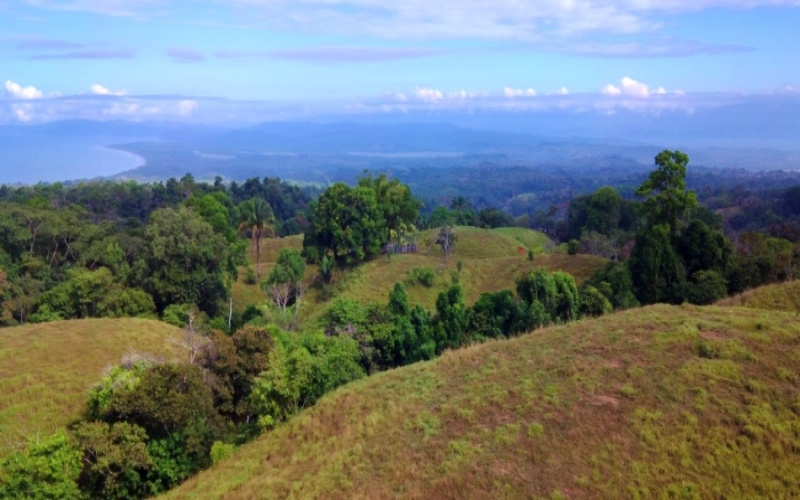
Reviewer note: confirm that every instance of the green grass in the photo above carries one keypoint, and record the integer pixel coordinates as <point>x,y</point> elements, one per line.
<point>631,405</point>
<point>491,260</point>
<point>47,369</point>
<point>779,297</point>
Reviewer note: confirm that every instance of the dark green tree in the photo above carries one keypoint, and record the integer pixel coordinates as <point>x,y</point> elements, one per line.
<point>184,261</point>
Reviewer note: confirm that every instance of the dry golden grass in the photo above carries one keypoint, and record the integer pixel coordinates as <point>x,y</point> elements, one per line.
<point>779,297</point>
<point>47,369</point>
<point>664,401</point>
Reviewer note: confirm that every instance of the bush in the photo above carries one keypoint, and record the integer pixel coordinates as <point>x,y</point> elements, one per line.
<point>250,277</point>
<point>424,276</point>
<point>593,302</point>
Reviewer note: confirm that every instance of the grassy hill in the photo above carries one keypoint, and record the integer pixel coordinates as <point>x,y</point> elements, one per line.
<point>779,297</point>
<point>46,369</point>
<point>491,260</point>
<point>663,401</point>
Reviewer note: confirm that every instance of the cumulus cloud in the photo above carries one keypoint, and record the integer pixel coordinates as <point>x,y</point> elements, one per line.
<point>562,91</point>
<point>510,92</point>
<point>428,95</point>
<point>98,89</point>
<point>187,107</point>
<point>17,91</point>
<point>630,87</point>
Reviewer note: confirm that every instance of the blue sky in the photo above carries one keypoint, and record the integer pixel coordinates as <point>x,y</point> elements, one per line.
<point>243,61</point>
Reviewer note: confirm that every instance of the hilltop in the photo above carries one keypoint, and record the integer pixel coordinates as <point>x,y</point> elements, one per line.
<point>46,369</point>
<point>777,297</point>
<point>491,259</point>
<point>675,401</point>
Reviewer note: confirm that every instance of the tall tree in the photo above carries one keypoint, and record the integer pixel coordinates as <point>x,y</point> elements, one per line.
<point>667,200</point>
<point>257,217</point>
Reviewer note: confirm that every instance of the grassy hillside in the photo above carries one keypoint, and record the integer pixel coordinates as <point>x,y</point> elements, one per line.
<point>679,402</point>
<point>491,260</point>
<point>46,369</point>
<point>779,297</point>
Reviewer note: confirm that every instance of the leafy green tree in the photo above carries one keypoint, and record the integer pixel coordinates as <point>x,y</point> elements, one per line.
<point>46,469</point>
<point>593,302</point>
<point>451,322</point>
<point>346,222</point>
<point>284,283</point>
<point>495,314</point>
<point>256,216</point>
<point>706,287</point>
<point>656,268</point>
<point>667,201</point>
<point>395,202</point>
<point>184,261</point>
<point>116,461</point>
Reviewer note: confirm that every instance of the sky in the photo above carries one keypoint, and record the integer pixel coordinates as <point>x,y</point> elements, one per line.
<point>245,61</point>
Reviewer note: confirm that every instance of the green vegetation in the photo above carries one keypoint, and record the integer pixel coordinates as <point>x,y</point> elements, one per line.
<point>329,311</point>
<point>623,405</point>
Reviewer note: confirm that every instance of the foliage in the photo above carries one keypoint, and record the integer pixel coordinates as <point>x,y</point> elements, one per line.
<point>346,222</point>
<point>47,469</point>
<point>115,459</point>
<point>593,302</point>
<point>184,261</point>
<point>424,276</point>
<point>257,218</point>
<point>667,201</point>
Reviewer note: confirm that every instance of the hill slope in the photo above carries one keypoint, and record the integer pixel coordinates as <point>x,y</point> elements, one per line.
<point>46,369</point>
<point>491,260</point>
<point>676,401</point>
<point>778,297</point>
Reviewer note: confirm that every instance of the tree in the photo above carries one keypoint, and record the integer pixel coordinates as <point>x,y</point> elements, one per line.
<point>256,216</point>
<point>47,468</point>
<point>184,261</point>
<point>285,279</point>
<point>667,200</point>
<point>447,239</point>
<point>395,201</point>
<point>656,268</point>
<point>346,222</point>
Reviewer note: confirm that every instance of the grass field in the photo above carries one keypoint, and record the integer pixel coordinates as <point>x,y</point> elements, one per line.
<point>779,297</point>
<point>491,260</point>
<point>47,369</point>
<point>664,401</point>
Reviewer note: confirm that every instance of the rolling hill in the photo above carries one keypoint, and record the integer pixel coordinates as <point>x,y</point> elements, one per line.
<point>778,297</point>
<point>46,369</point>
<point>491,260</point>
<point>663,401</point>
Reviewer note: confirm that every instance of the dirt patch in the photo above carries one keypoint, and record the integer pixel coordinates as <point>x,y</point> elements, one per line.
<point>711,335</point>
<point>600,400</point>
<point>614,363</point>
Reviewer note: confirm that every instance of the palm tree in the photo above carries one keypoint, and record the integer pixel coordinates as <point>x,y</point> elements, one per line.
<point>256,216</point>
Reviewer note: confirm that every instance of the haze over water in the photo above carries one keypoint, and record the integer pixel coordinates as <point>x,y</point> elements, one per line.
<point>28,160</point>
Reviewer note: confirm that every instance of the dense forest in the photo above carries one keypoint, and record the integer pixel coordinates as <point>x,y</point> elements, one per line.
<point>172,251</point>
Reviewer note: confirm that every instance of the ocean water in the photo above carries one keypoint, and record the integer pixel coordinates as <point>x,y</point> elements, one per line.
<point>28,160</point>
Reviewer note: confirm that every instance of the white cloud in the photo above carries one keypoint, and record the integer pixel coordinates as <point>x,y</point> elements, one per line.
<point>428,95</point>
<point>17,91</point>
<point>562,91</point>
<point>630,87</point>
<point>187,107</point>
<point>100,90</point>
<point>22,112</point>
<point>510,92</point>
<point>131,109</point>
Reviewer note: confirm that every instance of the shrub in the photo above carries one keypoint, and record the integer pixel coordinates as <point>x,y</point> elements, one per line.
<point>424,276</point>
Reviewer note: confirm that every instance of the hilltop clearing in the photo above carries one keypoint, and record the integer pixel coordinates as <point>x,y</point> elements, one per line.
<point>491,259</point>
<point>675,401</point>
